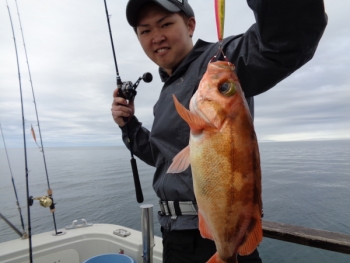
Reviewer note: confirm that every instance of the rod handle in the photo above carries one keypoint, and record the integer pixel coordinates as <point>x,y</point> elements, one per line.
<point>138,189</point>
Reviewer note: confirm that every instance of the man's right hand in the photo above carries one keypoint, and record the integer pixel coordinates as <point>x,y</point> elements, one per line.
<point>121,108</point>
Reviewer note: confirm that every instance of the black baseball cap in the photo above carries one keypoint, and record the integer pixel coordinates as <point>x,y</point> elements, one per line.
<point>133,8</point>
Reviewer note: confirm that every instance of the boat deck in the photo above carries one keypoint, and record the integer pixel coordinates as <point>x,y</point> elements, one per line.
<point>78,245</point>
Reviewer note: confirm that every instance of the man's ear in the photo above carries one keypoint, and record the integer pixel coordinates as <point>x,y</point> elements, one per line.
<point>191,25</point>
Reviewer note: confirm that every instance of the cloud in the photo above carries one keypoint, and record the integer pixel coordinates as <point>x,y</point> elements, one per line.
<point>73,73</point>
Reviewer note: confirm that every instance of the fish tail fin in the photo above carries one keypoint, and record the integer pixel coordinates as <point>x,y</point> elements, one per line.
<point>216,259</point>
<point>253,238</point>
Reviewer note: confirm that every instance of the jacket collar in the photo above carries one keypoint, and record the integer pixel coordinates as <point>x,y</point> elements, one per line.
<point>196,51</point>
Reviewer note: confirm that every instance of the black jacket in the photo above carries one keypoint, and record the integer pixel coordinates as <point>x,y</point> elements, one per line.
<point>284,37</point>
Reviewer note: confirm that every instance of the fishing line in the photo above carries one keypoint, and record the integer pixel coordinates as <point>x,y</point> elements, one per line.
<point>25,144</point>
<point>49,191</point>
<point>23,234</point>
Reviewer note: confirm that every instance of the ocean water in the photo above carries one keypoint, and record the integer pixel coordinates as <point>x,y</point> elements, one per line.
<point>304,183</point>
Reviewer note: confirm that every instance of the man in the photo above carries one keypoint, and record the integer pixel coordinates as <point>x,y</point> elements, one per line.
<point>284,38</point>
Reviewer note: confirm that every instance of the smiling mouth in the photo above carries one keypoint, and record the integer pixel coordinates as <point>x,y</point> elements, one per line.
<point>161,50</point>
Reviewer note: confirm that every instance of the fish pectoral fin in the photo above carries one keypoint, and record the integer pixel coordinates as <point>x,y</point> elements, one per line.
<point>181,161</point>
<point>203,227</point>
<point>195,122</point>
<point>253,238</point>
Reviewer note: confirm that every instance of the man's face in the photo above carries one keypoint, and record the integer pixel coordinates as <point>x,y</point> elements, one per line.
<point>165,37</point>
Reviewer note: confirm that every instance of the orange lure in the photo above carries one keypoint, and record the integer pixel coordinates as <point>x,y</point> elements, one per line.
<point>220,17</point>
<point>225,162</point>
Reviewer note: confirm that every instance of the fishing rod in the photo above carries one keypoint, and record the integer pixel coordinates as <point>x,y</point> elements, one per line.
<point>49,191</point>
<point>127,90</point>
<point>25,144</point>
<point>23,234</point>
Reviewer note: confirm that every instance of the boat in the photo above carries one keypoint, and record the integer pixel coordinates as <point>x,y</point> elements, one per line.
<point>82,241</point>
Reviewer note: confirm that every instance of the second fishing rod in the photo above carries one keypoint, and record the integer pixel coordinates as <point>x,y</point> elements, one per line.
<point>127,90</point>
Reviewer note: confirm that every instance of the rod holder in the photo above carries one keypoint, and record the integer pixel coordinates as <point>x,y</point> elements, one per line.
<point>147,232</point>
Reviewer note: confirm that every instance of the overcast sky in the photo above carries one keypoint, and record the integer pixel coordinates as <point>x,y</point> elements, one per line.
<point>73,74</point>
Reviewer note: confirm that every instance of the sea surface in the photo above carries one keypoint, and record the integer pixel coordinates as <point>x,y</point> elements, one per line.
<point>304,183</point>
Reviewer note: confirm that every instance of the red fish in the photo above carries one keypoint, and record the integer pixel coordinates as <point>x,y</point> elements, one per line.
<point>224,157</point>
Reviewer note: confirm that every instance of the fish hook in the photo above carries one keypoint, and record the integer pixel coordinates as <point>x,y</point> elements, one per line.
<point>218,53</point>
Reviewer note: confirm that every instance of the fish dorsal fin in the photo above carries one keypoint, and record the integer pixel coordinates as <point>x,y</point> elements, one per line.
<point>181,161</point>
<point>195,122</point>
<point>253,238</point>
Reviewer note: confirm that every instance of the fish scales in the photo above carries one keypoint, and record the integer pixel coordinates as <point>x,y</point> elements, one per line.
<point>225,162</point>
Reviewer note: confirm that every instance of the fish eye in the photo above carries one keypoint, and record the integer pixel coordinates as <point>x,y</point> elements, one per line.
<point>227,88</point>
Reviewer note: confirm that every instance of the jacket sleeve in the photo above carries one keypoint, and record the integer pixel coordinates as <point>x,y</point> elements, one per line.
<point>136,138</point>
<point>284,37</point>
